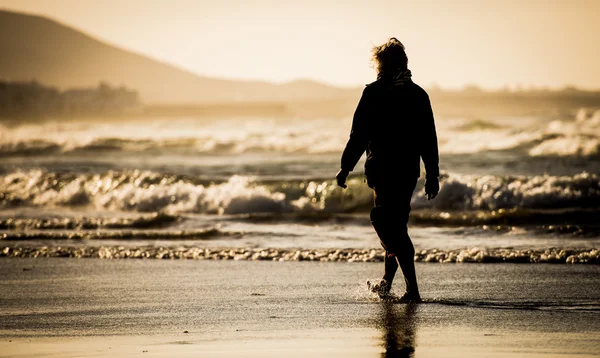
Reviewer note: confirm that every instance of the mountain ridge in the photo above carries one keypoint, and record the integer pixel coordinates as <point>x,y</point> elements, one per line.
<point>53,53</point>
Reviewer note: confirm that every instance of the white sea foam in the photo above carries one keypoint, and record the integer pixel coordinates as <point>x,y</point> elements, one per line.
<point>464,135</point>
<point>495,192</point>
<point>145,191</point>
<point>478,255</point>
<point>229,136</point>
<point>548,136</point>
<point>238,195</point>
<point>578,138</point>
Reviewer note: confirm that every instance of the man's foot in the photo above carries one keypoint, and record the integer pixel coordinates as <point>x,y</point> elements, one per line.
<point>411,297</point>
<point>382,288</point>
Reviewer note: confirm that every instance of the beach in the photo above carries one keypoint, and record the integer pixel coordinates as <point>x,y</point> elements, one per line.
<point>220,236</point>
<point>62,307</point>
<point>197,179</point>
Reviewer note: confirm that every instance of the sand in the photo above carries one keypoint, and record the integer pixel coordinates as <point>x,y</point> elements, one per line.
<point>65,307</point>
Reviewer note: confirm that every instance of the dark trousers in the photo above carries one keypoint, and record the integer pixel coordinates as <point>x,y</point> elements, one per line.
<point>390,216</point>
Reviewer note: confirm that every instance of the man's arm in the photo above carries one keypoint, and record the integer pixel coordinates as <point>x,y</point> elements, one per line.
<point>429,144</point>
<point>429,151</point>
<point>357,143</point>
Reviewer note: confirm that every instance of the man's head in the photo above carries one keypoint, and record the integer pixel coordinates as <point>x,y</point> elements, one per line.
<point>390,57</point>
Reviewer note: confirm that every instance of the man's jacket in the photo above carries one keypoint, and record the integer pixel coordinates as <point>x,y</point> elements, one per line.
<point>394,124</point>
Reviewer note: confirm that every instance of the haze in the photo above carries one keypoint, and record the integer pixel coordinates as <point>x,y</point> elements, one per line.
<point>452,44</point>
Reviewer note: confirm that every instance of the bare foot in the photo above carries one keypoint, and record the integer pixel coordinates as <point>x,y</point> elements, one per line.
<point>382,288</point>
<point>411,297</point>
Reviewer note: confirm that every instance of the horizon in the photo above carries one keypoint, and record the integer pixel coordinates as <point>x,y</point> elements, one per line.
<point>332,67</point>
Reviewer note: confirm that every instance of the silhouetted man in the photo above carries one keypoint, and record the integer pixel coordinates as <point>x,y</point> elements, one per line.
<point>394,124</point>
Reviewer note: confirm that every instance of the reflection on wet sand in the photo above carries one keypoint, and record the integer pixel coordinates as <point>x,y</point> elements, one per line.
<point>398,325</point>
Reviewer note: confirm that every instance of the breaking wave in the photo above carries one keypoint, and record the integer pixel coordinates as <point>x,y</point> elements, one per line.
<point>145,191</point>
<point>506,192</point>
<point>123,234</point>
<point>534,137</point>
<point>255,144</point>
<point>575,138</point>
<point>152,221</point>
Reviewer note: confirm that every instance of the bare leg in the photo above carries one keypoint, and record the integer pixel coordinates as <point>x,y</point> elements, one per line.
<point>407,264</point>
<point>390,266</point>
<point>389,218</point>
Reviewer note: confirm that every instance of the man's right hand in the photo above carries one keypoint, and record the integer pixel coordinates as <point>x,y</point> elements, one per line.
<point>432,187</point>
<point>341,177</point>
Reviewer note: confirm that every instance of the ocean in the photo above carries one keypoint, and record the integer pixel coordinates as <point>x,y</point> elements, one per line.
<point>514,188</point>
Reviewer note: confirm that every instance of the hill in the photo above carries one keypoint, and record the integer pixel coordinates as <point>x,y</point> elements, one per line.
<point>38,48</point>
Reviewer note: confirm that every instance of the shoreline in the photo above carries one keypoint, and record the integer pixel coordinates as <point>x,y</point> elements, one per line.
<point>467,255</point>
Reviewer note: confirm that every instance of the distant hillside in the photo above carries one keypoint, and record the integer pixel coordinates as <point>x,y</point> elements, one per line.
<point>35,47</point>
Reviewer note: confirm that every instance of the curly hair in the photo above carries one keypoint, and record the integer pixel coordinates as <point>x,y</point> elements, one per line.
<point>389,57</point>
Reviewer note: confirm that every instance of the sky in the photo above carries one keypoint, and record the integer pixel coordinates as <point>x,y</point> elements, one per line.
<point>452,44</point>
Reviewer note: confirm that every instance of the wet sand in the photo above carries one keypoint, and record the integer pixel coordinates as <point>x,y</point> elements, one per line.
<point>65,307</point>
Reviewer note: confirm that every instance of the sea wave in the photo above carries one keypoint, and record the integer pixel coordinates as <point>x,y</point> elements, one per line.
<point>572,138</point>
<point>471,255</point>
<point>145,191</point>
<point>152,221</point>
<point>489,192</point>
<point>173,135</point>
<point>124,234</point>
<point>576,135</point>
<point>566,223</point>
<point>306,143</point>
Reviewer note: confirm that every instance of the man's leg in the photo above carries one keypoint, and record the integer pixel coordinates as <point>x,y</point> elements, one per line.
<point>390,264</point>
<point>399,250</point>
<point>406,260</point>
<point>406,252</point>
<point>382,224</point>
<point>389,218</point>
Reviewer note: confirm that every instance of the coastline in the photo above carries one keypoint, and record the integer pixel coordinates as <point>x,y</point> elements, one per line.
<point>466,255</point>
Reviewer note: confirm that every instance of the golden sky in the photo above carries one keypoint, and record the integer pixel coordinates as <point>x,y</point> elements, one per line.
<point>450,43</point>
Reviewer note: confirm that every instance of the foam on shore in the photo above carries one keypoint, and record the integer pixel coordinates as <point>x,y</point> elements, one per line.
<point>472,255</point>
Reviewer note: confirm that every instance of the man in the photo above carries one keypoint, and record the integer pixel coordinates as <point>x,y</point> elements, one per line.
<point>394,124</point>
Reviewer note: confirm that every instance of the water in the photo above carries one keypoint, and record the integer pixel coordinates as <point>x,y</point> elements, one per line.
<point>529,182</point>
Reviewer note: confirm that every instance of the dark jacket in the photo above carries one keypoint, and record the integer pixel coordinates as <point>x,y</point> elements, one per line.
<point>394,124</point>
